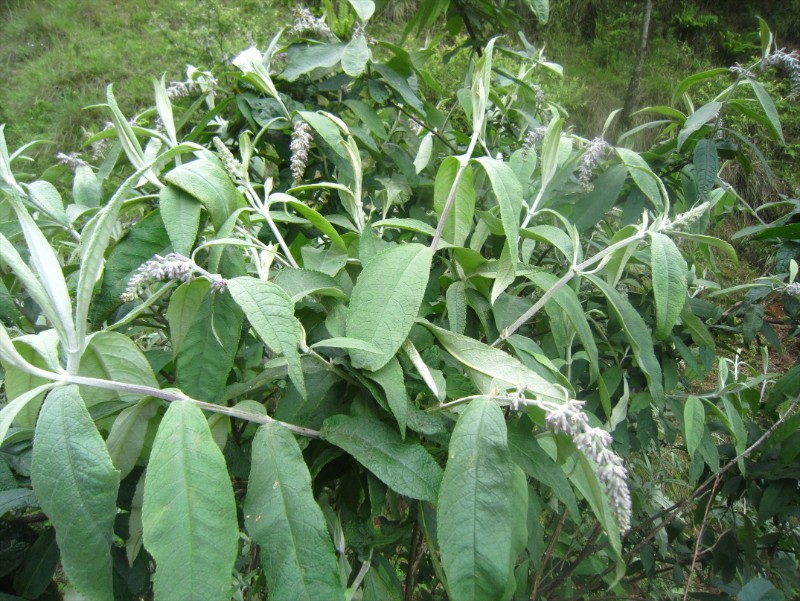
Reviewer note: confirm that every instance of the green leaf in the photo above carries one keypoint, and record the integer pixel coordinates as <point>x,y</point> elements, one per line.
<point>209,183</point>
<point>405,466</point>
<point>475,512</point>
<point>41,351</point>
<point>367,115</point>
<point>283,518</point>
<point>145,239</point>
<point>770,111</point>
<point>424,153</point>
<point>642,175</point>
<point>189,512</point>
<point>694,418</point>
<point>44,196</point>
<point>327,129</point>
<point>105,225</point>
<point>48,267</point>
<point>271,313</point>
<point>390,377</point>
<point>508,192</point>
<point>459,221</point>
<point>10,410</point>
<point>36,573</point>
<point>706,166</point>
<point>209,347</point>
<point>299,283</point>
<point>184,304</point>
<point>86,188</point>
<point>304,58</point>
<point>126,439</point>
<point>685,84</point>
<point>114,356</point>
<point>759,589</point>
<point>408,224</point>
<point>591,207</point>
<point>567,299</point>
<point>540,8</point>
<point>506,272</point>
<point>698,119</point>
<point>638,335</point>
<point>364,9</point>
<point>180,213</point>
<point>456,298</point>
<point>711,241</point>
<point>385,302</point>
<point>669,282</point>
<point>319,222</point>
<point>488,365</point>
<point>76,485</point>
<point>355,55</point>
<point>400,85</point>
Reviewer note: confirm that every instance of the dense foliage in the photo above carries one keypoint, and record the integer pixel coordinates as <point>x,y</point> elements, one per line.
<point>330,335</point>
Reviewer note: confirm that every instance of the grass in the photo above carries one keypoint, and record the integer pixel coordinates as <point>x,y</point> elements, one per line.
<point>58,56</point>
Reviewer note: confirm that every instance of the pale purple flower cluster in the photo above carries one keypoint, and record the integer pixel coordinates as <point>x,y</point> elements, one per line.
<point>300,145</point>
<point>737,69</point>
<point>793,289</point>
<point>173,267</point>
<point>532,138</point>
<point>594,155</point>
<point>72,160</point>
<point>595,443</point>
<point>788,63</point>
<point>180,89</point>
<point>307,23</point>
<point>232,165</point>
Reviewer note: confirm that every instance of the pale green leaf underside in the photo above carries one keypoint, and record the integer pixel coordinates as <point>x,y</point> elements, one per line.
<point>694,417</point>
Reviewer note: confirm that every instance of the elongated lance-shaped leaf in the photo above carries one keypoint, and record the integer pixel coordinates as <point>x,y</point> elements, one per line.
<point>458,224</point>
<point>493,364</point>
<point>126,439</point>
<point>76,485</point>
<point>385,302</point>
<point>508,192</point>
<point>164,108</point>
<point>209,347</point>
<point>93,250</point>
<point>47,266</point>
<point>12,409</point>
<point>390,377</point>
<point>481,86</point>
<point>698,119</point>
<point>405,466</point>
<point>638,335</point>
<point>571,305</point>
<point>475,512</point>
<point>283,518</point>
<point>669,282</point>
<point>189,513</point>
<point>706,166</point>
<point>271,313</point>
<point>694,418</point>
<point>12,258</point>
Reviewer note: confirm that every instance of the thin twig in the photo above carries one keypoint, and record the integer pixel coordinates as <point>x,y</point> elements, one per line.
<point>700,539</point>
<point>547,553</point>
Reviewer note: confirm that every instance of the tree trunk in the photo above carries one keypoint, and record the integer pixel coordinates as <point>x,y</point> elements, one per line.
<point>633,88</point>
